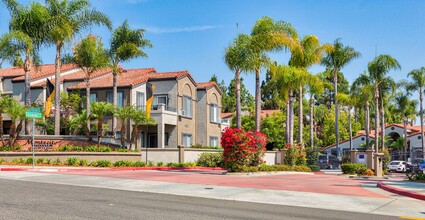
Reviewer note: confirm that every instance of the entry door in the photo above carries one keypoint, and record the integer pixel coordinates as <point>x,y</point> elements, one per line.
<point>153,141</point>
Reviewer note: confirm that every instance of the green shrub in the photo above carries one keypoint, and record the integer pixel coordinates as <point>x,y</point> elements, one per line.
<point>72,161</point>
<point>17,148</point>
<point>65,148</point>
<point>139,164</point>
<point>78,148</point>
<point>198,146</point>
<point>57,161</point>
<point>160,164</point>
<point>2,160</point>
<point>101,163</point>
<point>312,156</point>
<point>150,163</point>
<point>39,161</point>
<point>210,160</point>
<point>105,149</point>
<point>48,161</point>
<point>314,168</point>
<point>290,155</point>
<point>415,176</point>
<point>352,168</point>
<point>249,169</point>
<point>6,148</point>
<point>123,163</point>
<point>91,148</point>
<point>122,150</point>
<point>301,168</point>
<point>29,160</point>
<point>83,162</point>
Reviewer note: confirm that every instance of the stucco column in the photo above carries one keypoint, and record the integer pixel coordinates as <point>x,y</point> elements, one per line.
<point>369,157</point>
<point>161,127</point>
<point>353,156</point>
<point>377,161</point>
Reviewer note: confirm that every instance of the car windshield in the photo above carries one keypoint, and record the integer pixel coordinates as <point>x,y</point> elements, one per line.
<point>394,163</point>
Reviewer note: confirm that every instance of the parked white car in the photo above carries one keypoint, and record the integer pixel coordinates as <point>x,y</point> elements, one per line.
<point>397,165</point>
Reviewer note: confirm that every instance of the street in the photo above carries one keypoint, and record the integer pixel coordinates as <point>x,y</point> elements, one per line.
<point>33,200</point>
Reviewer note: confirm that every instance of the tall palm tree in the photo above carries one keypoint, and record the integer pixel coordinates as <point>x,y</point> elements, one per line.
<point>99,111</point>
<point>378,68</point>
<point>336,60</point>
<point>388,86</point>
<point>8,53</point>
<point>314,87</point>
<point>402,102</point>
<point>236,58</point>
<point>123,114</point>
<point>348,100</point>
<point>69,18</point>
<point>138,118</point>
<point>267,35</point>
<point>126,44</point>
<point>287,79</point>
<point>418,84</point>
<point>307,53</point>
<point>28,28</point>
<point>90,56</point>
<point>362,88</point>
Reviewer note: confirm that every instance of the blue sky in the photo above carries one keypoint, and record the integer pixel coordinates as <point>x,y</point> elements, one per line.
<point>192,34</point>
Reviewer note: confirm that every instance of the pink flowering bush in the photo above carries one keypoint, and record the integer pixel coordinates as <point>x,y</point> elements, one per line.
<point>242,149</point>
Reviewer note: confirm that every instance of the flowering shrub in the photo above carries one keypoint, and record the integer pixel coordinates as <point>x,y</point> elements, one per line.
<point>295,155</point>
<point>242,149</point>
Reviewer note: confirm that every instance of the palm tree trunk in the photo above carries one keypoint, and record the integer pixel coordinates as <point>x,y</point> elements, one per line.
<point>287,121</point>
<point>382,123</point>
<point>1,130</point>
<point>257,101</point>
<point>58,65</point>
<point>350,129</point>
<point>99,130</point>
<point>17,132</point>
<point>238,100</point>
<point>114,101</point>
<point>123,134</point>
<point>291,117</point>
<point>421,110</point>
<point>311,122</point>
<point>405,138</point>
<point>27,96</point>
<point>336,113</point>
<point>88,103</point>
<point>376,119</point>
<point>12,132</point>
<point>300,117</point>
<point>367,117</point>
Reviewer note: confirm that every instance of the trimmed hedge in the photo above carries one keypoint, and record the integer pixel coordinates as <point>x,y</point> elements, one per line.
<point>274,168</point>
<point>210,160</point>
<point>353,168</point>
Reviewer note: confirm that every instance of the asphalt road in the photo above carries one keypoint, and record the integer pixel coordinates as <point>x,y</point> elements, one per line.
<point>30,200</point>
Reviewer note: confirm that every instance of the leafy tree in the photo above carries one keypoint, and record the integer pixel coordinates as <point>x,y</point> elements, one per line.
<point>138,118</point>
<point>123,114</point>
<point>418,84</point>
<point>314,87</point>
<point>99,111</point>
<point>78,124</point>
<point>28,28</point>
<point>336,60</point>
<point>5,103</point>
<point>16,112</point>
<point>68,19</point>
<point>90,56</point>
<point>270,95</point>
<point>126,44</point>
<point>362,88</point>
<point>271,126</point>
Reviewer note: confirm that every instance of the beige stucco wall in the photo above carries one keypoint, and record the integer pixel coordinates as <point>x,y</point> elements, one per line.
<point>213,129</point>
<point>185,87</point>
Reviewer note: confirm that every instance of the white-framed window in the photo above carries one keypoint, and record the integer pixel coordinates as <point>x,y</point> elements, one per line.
<point>186,140</point>
<point>213,141</point>
<point>140,100</point>
<point>93,97</point>
<point>160,99</point>
<point>120,98</point>
<point>214,117</point>
<point>187,106</point>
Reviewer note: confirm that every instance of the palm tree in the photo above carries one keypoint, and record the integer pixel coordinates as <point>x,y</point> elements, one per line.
<point>314,87</point>
<point>7,52</point>
<point>123,114</point>
<point>387,86</point>
<point>69,18</point>
<point>348,100</point>
<point>126,44</point>
<point>16,112</point>
<point>402,102</point>
<point>5,103</point>
<point>377,69</point>
<point>287,79</point>
<point>99,111</point>
<point>138,118</point>
<point>28,28</point>
<point>78,124</point>
<point>418,84</point>
<point>267,35</point>
<point>236,58</point>
<point>336,60</point>
<point>90,56</point>
<point>307,53</point>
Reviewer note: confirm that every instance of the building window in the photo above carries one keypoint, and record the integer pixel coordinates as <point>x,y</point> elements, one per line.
<point>214,113</point>
<point>140,100</point>
<point>213,141</point>
<point>187,140</point>
<point>93,97</point>
<point>120,98</point>
<point>187,106</point>
<point>159,99</point>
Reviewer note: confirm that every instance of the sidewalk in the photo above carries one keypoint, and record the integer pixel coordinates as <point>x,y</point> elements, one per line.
<point>406,188</point>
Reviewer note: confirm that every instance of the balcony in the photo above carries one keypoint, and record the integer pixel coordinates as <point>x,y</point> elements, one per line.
<point>163,114</point>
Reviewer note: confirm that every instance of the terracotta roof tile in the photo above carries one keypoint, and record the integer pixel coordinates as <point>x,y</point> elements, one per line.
<point>227,114</point>
<point>207,85</point>
<point>357,136</point>
<point>268,112</point>
<point>47,69</point>
<point>127,78</point>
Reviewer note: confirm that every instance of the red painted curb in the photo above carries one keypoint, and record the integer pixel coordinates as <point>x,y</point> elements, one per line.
<point>110,169</point>
<point>400,191</point>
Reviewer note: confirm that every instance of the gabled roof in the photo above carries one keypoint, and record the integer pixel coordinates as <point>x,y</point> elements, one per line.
<point>207,85</point>
<point>128,78</point>
<point>341,142</point>
<point>78,76</point>
<point>227,114</point>
<point>171,75</point>
<point>45,70</point>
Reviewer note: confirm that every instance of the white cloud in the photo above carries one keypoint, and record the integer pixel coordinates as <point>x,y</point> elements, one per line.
<point>159,30</point>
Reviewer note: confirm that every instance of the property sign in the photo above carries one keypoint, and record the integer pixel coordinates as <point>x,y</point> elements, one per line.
<point>34,110</point>
<point>33,114</point>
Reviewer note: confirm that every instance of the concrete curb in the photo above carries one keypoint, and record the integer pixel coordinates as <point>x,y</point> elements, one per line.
<point>400,191</point>
<point>83,169</point>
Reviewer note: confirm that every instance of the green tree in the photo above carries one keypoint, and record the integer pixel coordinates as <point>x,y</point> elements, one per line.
<point>126,44</point>
<point>138,118</point>
<point>28,28</point>
<point>270,95</point>
<point>314,87</point>
<point>68,19</point>
<point>99,111</point>
<point>236,58</point>
<point>16,112</point>
<point>348,100</point>
<point>362,88</point>
<point>418,84</point>
<point>336,60</point>
<point>90,56</point>
<point>7,52</point>
<point>78,124</point>
<point>5,103</point>
<point>271,126</point>
<point>123,114</point>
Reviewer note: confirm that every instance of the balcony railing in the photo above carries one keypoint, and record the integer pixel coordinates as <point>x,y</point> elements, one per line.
<point>158,107</point>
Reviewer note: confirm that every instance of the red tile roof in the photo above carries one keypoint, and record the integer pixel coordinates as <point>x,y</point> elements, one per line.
<point>227,114</point>
<point>268,112</point>
<point>127,78</point>
<point>45,70</point>
<point>357,136</point>
<point>207,85</point>
<point>77,76</point>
